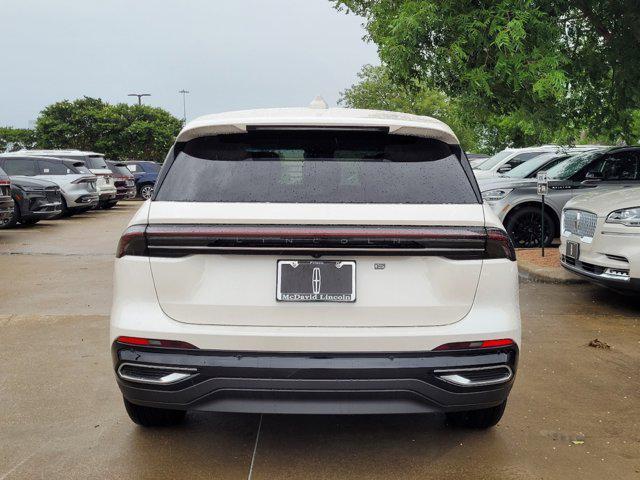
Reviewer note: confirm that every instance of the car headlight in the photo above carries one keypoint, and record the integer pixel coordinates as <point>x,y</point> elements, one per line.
<point>496,194</point>
<point>627,216</point>
<point>32,189</point>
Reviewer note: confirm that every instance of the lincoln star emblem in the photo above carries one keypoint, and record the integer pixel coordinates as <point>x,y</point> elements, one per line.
<point>316,280</point>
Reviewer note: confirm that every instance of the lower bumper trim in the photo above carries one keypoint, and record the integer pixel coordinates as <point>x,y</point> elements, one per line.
<point>315,384</point>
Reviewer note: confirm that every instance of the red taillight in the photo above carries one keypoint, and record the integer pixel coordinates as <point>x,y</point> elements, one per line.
<point>133,242</point>
<point>5,182</point>
<point>499,245</point>
<point>503,342</point>
<point>149,342</point>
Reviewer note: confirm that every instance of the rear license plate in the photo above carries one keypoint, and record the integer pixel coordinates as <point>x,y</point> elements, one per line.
<point>573,250</point>
<point>316,281</point>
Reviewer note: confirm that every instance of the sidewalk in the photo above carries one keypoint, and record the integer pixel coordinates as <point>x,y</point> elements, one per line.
<point>532,266</point>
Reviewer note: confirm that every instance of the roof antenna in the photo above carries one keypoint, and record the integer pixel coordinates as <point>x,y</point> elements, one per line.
<point>318,102</point>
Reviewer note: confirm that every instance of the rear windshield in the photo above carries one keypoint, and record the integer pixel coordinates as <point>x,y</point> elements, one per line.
<point>122,170</point>
<point>80,167</point>
<point>95,161</point>
<point>314,166</point>
<point>150,167</point>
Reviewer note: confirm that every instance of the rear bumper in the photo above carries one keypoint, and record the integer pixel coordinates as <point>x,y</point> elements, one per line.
<point>82,200</point>
<point>126,193</point>
<point>359,383</point>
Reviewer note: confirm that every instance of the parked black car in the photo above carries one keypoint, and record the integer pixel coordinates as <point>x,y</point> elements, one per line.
<point>6,202</point>
<point>34,200</point>
<point>123,180</point>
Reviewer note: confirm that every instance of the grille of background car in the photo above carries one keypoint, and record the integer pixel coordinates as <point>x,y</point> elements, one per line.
<point>52,194</point>
<point>579,222</point>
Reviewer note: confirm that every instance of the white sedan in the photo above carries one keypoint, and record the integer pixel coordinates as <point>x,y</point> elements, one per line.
<point>601,238</point>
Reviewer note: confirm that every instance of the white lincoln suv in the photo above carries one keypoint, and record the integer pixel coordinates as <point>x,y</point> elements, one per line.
<point>315,260</point>
<point>600,238</point>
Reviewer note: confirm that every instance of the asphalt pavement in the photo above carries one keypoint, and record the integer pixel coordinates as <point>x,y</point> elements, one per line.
<point>574,411</point>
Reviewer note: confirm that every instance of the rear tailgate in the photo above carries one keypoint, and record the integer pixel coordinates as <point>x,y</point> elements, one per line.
<point>239,288</point>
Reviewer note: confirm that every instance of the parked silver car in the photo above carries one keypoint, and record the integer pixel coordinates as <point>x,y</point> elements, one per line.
<point>94,162</point>
<point>510,158</point>
<point>518,205</point>
<point>77,183</point>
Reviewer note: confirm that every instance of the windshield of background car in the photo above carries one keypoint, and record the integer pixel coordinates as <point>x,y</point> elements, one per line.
<point>525,169</point>
<point>151,167</point>
<point>315,166</point>
<point>491,162</point>
<point>122,170</point>
<point>95,162</point>
<point>80,167</point>
<point>566,169</point>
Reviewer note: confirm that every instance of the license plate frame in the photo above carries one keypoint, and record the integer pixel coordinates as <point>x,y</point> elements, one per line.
<point>306,285</point>
<point>572,250</point>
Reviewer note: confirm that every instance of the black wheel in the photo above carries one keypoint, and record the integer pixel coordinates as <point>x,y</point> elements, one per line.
<point>153,417</point>
<point>523,226</point>
<point>108,205</point>
<point>146,191</point>
<point>30,221</point>
<point>66,211</point>
<point>11,221</point>
<point>480,419</point>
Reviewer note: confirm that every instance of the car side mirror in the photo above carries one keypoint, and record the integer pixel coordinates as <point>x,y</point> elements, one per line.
<point>504,168</point>
<point>592,178</point>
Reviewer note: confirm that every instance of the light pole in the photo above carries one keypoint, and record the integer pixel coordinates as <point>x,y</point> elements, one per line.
<point>184,104</point>
<point>139,95</point>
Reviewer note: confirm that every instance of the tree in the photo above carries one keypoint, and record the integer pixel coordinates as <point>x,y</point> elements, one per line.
<point>376,90</point>
<point>12,139</point>
<point>560,67</point>
<point>119,131</point>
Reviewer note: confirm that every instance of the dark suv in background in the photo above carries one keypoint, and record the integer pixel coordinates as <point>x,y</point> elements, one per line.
<point>123,180</point>
<point>146,174</point>
<point>35,200</point>
<point>6,202</point>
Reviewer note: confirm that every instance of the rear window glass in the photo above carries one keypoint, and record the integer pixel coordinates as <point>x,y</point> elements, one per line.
<point>314,166</point>
<point>95,161</point>
<point>80,167</point>
<point>150,167</point>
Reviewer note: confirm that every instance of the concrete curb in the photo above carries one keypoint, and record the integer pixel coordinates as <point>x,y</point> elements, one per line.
<point>556,275</point>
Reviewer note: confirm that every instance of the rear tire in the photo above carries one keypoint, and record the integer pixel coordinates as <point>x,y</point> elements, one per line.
<point>523,227</point>
<point>477,419</point>
<point>153,417</point>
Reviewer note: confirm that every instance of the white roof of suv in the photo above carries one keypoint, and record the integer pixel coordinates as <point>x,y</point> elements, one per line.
<point>69,151</point>
<point>237,122</point>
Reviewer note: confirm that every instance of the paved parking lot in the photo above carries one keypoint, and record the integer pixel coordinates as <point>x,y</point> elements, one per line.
<point>574,411</point>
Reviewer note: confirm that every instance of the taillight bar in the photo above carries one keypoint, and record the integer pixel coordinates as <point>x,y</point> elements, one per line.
<point>85,180</point>
<point>447,241</point>
<point>502,342</point>
<point>151,342</point>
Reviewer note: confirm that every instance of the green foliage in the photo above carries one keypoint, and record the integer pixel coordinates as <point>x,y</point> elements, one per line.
<point>539,69</point>
<point>376,90</point>
<point>119,131</point>
<point>12,139</point>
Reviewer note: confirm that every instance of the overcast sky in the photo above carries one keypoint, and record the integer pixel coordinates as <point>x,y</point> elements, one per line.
<point>229,54</point>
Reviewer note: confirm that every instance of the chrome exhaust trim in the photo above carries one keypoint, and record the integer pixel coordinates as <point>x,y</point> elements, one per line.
<point>456,376</point>
<point>163,375</point>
